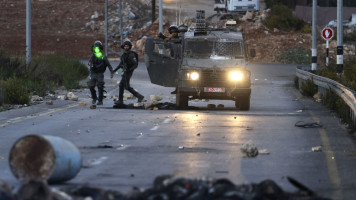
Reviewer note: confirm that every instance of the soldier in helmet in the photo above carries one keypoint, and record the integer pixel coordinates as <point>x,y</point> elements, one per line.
<point>173,31</point>
<point>128,63</point>
<point>98,63</point>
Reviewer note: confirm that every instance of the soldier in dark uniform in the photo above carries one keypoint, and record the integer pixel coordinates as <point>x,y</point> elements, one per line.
<point>98,63</point>
<point>174,34</point>
<point>128,63</point>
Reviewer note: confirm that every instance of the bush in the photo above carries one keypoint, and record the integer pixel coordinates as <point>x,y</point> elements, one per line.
<point>295,56</point>
<point>15,91</point>
<point>309,88</point>
<point>348,78</point>
<point>282,18</point>
<point>334,102</point>
<point>45,73</point>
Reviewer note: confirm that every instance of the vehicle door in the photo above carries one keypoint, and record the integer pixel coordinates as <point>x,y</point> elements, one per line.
<point>162,61</point>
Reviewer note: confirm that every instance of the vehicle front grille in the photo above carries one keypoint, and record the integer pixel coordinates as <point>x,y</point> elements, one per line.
<point>213,78</point>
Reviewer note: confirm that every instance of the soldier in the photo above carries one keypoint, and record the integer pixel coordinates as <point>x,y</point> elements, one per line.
<point>173,30</point>
<point>98,63</point>
<point>128,63</point>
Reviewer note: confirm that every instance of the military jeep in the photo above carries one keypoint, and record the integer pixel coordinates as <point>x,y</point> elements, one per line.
<point>206,63</point>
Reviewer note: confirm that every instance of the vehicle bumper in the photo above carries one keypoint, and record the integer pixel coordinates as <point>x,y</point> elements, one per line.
<point>230,93</point>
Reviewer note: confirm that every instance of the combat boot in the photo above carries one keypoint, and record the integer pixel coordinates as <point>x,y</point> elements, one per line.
<point>140,99</point>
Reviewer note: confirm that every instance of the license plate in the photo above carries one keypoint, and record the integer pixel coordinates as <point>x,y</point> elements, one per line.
<point>214,89</point>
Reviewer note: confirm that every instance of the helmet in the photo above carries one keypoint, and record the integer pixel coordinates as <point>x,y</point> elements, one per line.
<point>126,43</point>
<point>173,28</point>
<point>98,44</point>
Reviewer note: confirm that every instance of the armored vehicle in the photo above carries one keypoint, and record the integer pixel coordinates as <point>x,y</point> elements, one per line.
<point>205,63</point>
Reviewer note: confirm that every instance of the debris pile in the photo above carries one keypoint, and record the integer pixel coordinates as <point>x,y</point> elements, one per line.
<point>249,149</point>
<point>167,188</point>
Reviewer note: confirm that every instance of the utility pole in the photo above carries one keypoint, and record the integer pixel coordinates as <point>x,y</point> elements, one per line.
<point>106,28</point>
<point>121,31</point>
<point>160,17</point>
<point>28,32</point>
<point>153,10</point>
<point>314,49</point>
<point>340,35</point>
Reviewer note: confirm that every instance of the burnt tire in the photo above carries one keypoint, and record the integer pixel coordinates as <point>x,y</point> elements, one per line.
<point>181,101</point>
<point>243,103</point>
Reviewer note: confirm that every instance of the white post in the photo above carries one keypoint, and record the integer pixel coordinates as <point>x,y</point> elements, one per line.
<point>327,52</point>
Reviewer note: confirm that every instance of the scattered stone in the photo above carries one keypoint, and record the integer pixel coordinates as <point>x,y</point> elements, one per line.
<point>148,106</point>
<point>93,107</point>
<point>317,149</point>
<point>128,96</point>
<point>318,97</point>
<point>196,100</point>
<point>263,152</point>
<point>155,98</point>
<point>36,98</point>
<point>82,104</point>
<point>70,95</point>
<point>198,134</point>
<point>63,97</point>
<point>249,149</point>
<point>49,102</point>
<point>136,105</point>
<point>74,98</point>
<point>181,147</point>
<point>115,98</point>
<point>155,108</point>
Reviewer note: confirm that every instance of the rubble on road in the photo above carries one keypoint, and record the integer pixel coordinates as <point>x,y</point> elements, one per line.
<point>249,149</point>
<point>317,149</point>
<point>49,102</point>
<point>36,98</point>
<point>62,97</point>
<point>155,98</point>
<point>164,187</point>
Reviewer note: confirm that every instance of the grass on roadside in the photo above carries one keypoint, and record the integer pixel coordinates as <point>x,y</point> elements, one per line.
<point>43,75</point>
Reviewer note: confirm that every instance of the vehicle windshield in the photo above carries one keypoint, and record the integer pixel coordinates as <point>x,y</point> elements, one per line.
<point>220,49</point>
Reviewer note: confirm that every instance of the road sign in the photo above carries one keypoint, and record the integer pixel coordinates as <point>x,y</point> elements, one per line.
<point>327,33</point>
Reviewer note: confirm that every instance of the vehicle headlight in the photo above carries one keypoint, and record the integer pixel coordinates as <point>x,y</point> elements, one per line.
<point>193,76</point>
<point>236,76</point>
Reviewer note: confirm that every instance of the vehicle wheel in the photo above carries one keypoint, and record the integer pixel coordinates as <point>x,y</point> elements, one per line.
<point>243,103</point>
<point>181,100</point>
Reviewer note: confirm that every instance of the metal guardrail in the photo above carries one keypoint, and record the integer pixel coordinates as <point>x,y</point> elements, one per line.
<point>324,84</point>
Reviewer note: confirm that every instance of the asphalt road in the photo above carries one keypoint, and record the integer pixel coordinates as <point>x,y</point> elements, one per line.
<point>146,143</point>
